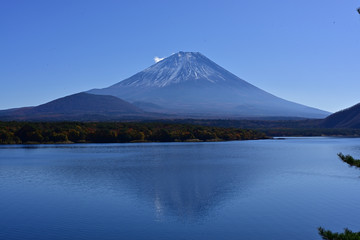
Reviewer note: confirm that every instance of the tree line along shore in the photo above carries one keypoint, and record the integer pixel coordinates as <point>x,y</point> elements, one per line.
<point>117,132</point>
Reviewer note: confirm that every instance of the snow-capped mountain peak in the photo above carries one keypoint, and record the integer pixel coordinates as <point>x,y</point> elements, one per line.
<point>177,68</point>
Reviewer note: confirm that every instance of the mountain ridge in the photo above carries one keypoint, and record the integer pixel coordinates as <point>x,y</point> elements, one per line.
<point>346,118</point>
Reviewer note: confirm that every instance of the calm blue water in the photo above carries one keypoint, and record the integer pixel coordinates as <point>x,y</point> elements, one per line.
<point>265,189</point>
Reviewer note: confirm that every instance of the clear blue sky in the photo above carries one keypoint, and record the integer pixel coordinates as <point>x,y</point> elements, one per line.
<point>302,50</point>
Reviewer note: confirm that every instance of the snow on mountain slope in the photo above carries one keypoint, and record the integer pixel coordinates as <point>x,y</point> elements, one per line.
<point>180,67</point>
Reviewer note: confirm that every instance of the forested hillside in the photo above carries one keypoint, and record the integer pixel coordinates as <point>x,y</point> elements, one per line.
<point>79,132</point>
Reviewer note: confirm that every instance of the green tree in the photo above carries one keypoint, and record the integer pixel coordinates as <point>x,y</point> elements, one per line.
<point>347,234</point>
<point>103,136</point>
<point>7,137</point>
<point>349,160</point>
<point>58,137</point>
<point>75,135</point>
<point>161,135</point>
<point>28,133</point>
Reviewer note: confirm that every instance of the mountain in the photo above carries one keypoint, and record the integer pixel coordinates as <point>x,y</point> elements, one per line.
<point>190,84</point>
<point>347,118</point>
<point>80,106</point>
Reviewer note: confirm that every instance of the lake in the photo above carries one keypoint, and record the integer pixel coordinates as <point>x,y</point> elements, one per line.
<point>263,189</point>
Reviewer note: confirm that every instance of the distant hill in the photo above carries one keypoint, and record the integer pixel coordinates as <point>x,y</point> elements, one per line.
<point>191,85</point>
<point>347,118</point>
<point>80,107</point>
<point>88,103</point>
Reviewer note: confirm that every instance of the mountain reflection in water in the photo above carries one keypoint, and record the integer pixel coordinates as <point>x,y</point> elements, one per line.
<point>176,181</point>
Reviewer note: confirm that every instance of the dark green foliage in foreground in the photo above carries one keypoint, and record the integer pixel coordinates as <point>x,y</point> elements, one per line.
<point>349,160</point>
<point>116,132</point>
<point>346,235</point>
